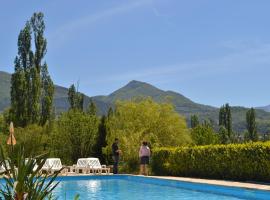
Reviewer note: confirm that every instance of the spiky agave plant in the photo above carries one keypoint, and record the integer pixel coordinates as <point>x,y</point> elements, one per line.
<point>23,179</point>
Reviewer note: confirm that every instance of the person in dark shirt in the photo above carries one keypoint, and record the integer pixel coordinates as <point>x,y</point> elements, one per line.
<point>115,152</point>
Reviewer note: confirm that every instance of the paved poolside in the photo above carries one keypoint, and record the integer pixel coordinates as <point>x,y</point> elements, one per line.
<point>246,185</point>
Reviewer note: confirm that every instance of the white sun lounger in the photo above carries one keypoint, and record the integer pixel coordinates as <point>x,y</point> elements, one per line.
<point>2,168</point>
<point>82,165</point>
<point>52,165</point>
<point>88,165</point>
<point>95,166</point>
<point>35,167</point>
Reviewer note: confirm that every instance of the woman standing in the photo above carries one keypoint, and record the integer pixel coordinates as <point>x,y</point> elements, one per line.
<point>144,155</point>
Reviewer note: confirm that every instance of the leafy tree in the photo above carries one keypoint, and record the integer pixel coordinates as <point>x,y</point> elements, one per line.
<point>80,101</point>
<point>2,123</point>
<point>74,135</point>
<point>72,96</point>
<point>135,121</point>
<point>20,84</point>
<point>32,137</point>
<point>38,28</point>
<point>223,135</point>
<point>75,98</point>
<point>110,112</point>
<point>194,121</point>
<point>204,134</point>
<point>101,139</point>
<point>225,118</point>
<point>92,109</point>
<point>47,96</point>
<point>26,81</point>
<point>251,125</point>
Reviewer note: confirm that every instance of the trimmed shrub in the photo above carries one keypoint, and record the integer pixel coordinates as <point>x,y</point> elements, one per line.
<point>248,162</point>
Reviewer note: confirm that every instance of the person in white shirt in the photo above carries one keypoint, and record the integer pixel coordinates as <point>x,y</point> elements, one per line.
<point>144,155</point>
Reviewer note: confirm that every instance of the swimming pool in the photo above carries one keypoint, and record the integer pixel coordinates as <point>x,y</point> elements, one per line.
<point>136,187</point>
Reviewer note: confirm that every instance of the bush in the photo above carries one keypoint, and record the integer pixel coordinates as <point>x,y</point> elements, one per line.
<point>74,136</point>
<point>136,121</point>
<point>204,135</point>
<point>250,161</point>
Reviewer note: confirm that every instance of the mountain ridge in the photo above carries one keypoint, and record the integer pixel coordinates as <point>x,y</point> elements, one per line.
<point>182,104</point>
<point>265,108</point>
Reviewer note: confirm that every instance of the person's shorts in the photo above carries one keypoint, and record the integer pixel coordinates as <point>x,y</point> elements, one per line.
<point>144,160</point>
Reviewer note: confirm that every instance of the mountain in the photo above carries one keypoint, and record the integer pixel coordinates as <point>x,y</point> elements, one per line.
<point>133,89</point>
<point>265,108</point>
<point>140,89</point>
<point>185,106</point>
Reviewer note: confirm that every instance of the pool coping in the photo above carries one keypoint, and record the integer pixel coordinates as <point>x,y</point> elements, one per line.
<point>236,184</point>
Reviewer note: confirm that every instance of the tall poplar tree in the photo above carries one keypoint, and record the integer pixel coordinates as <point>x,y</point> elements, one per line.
<point>251,125</point>
<point>75,98</point>
<point>72,96</point>
<point>18,103</point>
<point>225,119</point>
<point>92,109</point>
<point>194,121</point>
<point>228,119</point>
<point>28,89</point>
<point>38,27</point>
<point>110,113</point>
<point>47,95</point>
<point>101,139</point>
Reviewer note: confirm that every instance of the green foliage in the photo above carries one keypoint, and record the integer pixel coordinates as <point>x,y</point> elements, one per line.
<point>251,125</point>
<point>26,181</point>
<point>75,98</point>
<point>223,135</point>
<point>47,95</point>
<point>101,140</point>
<point>72,96</point>
<point>2,124</point>
<point>110,112</point>
<point>250,161</point>
<point>225,118</point>
<point>204,134</point>
<point>92,109</point>
<point>74,136</point>
<point>194,121</point>
<point>33,138</point>
<point>31,87</point>
<point>147,120</point>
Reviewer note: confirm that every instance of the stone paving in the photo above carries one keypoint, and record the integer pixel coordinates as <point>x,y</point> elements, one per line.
<point>246,185</point>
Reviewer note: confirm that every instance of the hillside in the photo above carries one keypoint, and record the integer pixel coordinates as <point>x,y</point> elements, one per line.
<point>265,108</point>
<point>133,89</point>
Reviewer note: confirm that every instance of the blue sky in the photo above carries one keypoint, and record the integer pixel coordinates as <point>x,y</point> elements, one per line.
<point>211,51</point>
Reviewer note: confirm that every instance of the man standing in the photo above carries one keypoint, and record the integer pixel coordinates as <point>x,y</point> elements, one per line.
<point>115,152</point>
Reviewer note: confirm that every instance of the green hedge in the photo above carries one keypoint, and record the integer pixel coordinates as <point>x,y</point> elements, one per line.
<point>249,161</point>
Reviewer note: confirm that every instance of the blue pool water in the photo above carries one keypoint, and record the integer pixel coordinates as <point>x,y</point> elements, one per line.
<point>132,187</point>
